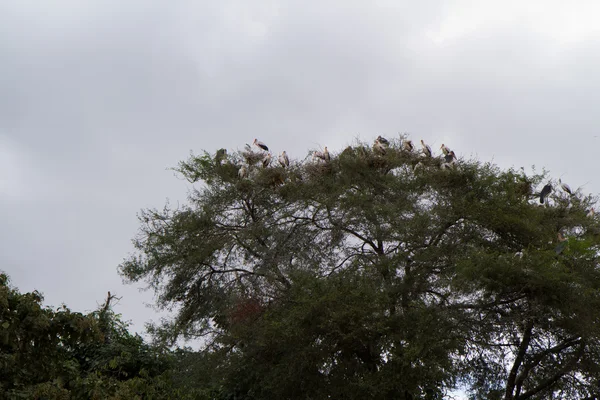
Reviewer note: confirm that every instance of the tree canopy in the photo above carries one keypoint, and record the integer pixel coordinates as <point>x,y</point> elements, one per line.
<point>55,353</point>
<point>377,272</point>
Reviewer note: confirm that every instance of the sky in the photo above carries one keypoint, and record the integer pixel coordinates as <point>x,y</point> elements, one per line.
<point>99,98</point>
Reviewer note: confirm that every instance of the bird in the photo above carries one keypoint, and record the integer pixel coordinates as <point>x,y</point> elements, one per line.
<point>260,144</point>
<point>445,149</point>
<point>220,155</point>
<point>450,157</point>
<point>408,145</point>
<point>426,149</point>
<point>519,254</point>
<point>323,155</point>
<point>266,161</point>
<point>243,172</point>
<point>284,160</point>
<point>565,187</point>
<point>378,147</point>
<point>590,213</point>
<point>545,192</point>
<point>382,140</point>
<point>562,243</point>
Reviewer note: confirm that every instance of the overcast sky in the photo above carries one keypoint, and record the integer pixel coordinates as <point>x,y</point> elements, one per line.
<point>99,97</point>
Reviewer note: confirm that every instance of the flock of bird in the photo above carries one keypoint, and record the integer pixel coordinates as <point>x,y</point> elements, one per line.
<point>380,146</point>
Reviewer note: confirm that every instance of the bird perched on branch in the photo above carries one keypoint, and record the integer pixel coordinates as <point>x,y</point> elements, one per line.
<point>426,149</point>
<point>382,140</point>
<point>408,145</point>
<point>284,160</point>
<point>323,155</point>
<point>450,157</point>
<point>445,149</point>
<point>243,172</point>
<point>220,155</point>
<point>565,187</point>
<point>545,192</point>
<point>378,147</point>
<point>266,161</point>
<point>260,144</point>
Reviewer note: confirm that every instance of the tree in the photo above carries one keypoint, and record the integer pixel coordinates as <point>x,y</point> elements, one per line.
<point>377,273</point>
<point>48,353</point>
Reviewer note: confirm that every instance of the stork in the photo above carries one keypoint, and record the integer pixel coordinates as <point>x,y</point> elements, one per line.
<point>450,157</point>
<point>323,155</point>
<point>590,213</point>
<point>445,149</point>
<point>565,187</point>
<point>426,149</point>
<point>266,161</point>
<point>260,144</point>
<point>382,140</point>
<point>243,172</point>
<point>408,145</point>
<point>284,160</point>
<point>545,192</point>
<point>378,147</point>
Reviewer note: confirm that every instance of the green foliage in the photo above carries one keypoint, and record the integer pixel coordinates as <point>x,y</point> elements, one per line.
<point>376,276</point>
<point>50,353</point>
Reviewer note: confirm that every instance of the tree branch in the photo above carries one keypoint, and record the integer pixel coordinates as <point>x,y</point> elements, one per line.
<point>512,376</point>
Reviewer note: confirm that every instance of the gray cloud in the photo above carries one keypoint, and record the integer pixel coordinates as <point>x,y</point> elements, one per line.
<point>98,99</point>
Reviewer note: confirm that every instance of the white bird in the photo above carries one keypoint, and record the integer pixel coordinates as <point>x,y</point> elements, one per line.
<point>260,144</point>
<point>445,149</point>
<point>519,254</point>
<point>266,161</point>
<point>323,155</point>
<point>565,187</point>
<point>408,145</point>
<point>590,213</point>
<point>243,172</point>
<point>284,160</point>
<point>426,149</point>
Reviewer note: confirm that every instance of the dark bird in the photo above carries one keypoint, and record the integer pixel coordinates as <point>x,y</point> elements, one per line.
<point>426,149</point>
<point>565,187</point>
<point>284,160</point>
<point>545,192</point>
<point>221,155</point>
<point>408,145</point>
<point>450,157</point>
<point>382,140</point>
<point>260,144</point>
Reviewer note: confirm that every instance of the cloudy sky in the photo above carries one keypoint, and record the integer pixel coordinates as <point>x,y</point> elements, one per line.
<point>99,97</point>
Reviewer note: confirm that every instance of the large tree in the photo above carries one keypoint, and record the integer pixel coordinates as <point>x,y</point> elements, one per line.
<point>379,272</point>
